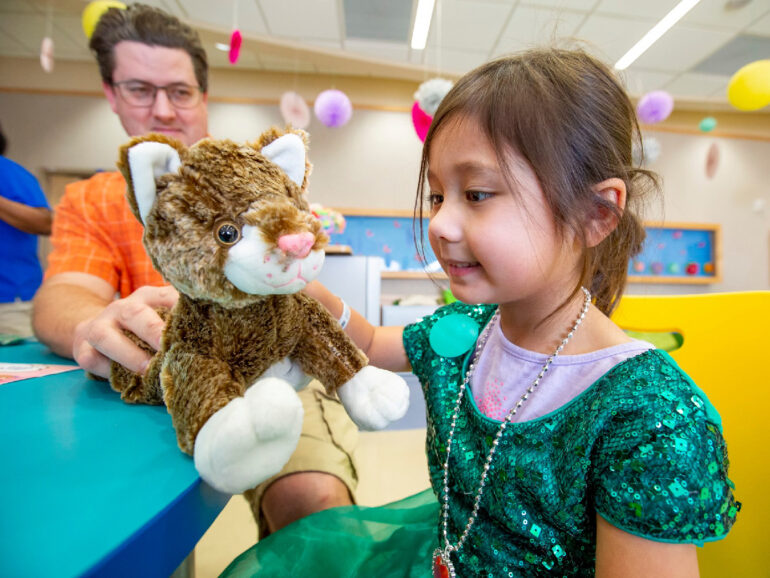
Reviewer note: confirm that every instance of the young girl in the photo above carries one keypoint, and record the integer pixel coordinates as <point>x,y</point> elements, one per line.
<point>557,445</point>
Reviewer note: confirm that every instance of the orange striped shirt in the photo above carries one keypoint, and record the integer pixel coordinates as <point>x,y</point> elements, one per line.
<point>95,232</point>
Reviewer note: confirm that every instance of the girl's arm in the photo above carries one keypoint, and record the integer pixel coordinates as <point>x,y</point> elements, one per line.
<point>382,345</point>
<point>623,555</point>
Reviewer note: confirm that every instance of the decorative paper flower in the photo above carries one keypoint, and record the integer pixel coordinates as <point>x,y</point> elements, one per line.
<point>651,147</point>
<point>94,11</point>
<point>421,121</point>
<point>430,94</point>
<point>235,46</point>
<point>294,110</point>
<point>333,108</point>
<point>654,107</point>
<point>332,222</point>
<point>46,54</point>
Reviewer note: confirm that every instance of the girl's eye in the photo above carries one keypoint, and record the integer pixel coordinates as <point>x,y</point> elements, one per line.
<point>435,199</point>
<point>476,196</point>
<point>228,234</point>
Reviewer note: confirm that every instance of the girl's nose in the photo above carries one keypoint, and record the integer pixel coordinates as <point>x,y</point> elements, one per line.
<point>445,224</point>
<point>297,245</point>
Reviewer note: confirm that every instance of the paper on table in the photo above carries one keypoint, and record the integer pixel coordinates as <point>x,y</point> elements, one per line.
<point>17,371</point>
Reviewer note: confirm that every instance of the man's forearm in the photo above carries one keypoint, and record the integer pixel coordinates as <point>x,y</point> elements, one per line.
<point>58,309</point>
<point>35,220</point>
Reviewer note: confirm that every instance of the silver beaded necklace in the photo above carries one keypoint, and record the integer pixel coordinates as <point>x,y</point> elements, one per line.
<point>442,563</point>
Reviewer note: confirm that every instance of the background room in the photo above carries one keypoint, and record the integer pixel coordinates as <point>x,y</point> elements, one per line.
<point>713,157</point>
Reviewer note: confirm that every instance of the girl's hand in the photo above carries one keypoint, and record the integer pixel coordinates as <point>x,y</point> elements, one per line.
<point>623,555</point>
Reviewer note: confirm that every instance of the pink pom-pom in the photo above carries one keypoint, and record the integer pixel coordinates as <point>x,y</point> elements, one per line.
<point>421,121</point>
<point>294,110</point>
<point>235,46</point>
<point>655,106</point>
<point>333,108</point>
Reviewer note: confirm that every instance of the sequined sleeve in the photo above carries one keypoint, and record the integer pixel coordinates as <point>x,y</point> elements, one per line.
<point>660,467</point>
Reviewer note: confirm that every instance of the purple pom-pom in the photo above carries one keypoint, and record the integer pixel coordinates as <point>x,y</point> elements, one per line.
<point>333,107</point>
<point>654,106</point>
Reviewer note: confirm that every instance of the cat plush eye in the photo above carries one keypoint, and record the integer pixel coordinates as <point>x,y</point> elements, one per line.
<point>228,234</point>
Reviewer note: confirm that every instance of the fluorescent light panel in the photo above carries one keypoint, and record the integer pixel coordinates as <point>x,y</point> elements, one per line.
<point>655,33</point>
<point>422,23</point>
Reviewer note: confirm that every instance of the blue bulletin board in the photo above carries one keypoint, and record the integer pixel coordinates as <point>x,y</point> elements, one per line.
<point>390,236</point>
<point>678,253</point>
<point>674,253</point>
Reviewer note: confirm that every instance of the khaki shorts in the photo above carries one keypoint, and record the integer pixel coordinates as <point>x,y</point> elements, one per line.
<point>16,318</point>
<point>327,444</point>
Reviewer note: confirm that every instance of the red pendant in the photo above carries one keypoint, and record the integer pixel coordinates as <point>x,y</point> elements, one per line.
<point>442,566</point>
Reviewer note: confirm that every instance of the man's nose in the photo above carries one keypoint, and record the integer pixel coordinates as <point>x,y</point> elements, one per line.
<point>162,107</point>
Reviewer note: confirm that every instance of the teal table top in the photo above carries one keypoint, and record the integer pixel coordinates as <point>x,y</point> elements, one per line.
<point>90,485</point>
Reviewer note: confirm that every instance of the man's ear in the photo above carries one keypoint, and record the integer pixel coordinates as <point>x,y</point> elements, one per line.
<point>109,92</point>
<point>605,218</point>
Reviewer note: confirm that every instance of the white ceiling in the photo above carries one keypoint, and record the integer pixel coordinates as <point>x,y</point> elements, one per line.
<point>693,61</point>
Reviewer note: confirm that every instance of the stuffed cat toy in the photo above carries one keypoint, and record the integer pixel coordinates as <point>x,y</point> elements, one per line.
<point>228,226</point>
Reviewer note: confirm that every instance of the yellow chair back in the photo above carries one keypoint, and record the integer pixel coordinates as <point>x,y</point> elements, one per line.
<point>726,351</point>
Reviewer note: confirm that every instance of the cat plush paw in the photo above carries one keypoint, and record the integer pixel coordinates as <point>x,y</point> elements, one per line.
<point>374,398</point>
<point>251,438</point>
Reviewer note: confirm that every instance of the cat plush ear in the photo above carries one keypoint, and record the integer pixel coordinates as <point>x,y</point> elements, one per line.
<point>288,152</point>
<point>144,160</point>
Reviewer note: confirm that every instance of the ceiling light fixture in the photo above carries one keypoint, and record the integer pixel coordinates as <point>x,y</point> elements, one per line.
<point>222,46</point>
<point>655,33</point>
<point>422,23</point>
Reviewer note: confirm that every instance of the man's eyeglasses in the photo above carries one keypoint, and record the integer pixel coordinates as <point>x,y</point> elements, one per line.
<point>142,94</point>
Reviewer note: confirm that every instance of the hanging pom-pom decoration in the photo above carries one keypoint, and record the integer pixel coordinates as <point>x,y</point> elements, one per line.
<point>235,46</point>
<point>427,98</point>
<point>421,121</point>
<point>94,11</point>
<point>651,149</point>
<point>46,54</point>
<point>749,88</point>
<point>333,108</point>
<point>708,124</point>
<point>294,110</point>
<point>655,107</point>
<point>430,94</point>
<point>712,160</point>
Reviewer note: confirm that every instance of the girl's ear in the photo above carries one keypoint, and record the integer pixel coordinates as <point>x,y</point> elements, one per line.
<point>605,219</point>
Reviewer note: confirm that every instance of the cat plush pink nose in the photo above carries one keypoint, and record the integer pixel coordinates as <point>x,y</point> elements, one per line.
<point>297,245</point>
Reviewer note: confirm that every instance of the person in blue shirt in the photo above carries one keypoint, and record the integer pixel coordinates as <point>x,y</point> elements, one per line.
<point>24,214</point>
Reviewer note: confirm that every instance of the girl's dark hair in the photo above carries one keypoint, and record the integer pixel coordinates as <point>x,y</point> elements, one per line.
<point>567,114</point>
<point>148,25</point>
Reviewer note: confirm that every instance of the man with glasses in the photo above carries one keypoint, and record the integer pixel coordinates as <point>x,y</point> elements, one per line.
<point>154,73</point>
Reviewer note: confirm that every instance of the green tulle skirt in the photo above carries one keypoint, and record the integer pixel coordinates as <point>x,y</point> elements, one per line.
<point>395,540</point>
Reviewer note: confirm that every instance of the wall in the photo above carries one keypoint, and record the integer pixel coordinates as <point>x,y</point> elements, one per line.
<point>63,123</point>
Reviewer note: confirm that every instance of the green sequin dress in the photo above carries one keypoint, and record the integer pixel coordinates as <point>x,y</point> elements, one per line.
<point>642,446</point>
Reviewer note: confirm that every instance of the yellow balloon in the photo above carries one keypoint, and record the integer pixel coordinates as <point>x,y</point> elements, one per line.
<point>94,11</point>
<point>749,88</point>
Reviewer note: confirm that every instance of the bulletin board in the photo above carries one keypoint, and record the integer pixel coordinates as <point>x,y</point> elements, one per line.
<point>674,253</point>
<point>386,234</point>
<point>679,253</point>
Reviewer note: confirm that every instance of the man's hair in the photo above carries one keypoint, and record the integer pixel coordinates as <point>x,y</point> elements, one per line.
<point>150,26</point>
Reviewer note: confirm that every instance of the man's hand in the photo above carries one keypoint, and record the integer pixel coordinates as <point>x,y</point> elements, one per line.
<point>101,339</point>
